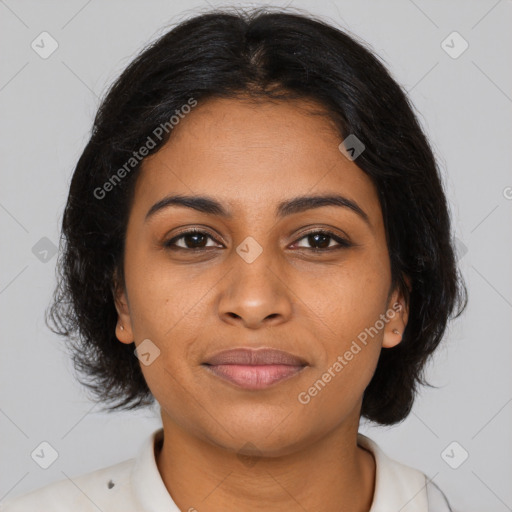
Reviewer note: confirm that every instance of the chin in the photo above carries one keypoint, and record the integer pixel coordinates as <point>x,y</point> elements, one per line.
<point>259,439</point>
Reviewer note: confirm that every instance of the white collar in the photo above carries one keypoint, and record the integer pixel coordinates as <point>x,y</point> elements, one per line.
<point>397,486</point>
<point>146,481</point>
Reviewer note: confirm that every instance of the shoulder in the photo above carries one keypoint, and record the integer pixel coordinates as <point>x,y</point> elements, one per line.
<point>437,501</point>
<point>93,491</point>
<point>402,487</point>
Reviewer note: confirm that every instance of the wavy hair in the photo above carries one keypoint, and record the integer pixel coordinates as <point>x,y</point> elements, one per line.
<point>271,56</point>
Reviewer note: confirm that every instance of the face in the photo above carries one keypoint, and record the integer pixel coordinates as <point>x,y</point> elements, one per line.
<point>309,280</point>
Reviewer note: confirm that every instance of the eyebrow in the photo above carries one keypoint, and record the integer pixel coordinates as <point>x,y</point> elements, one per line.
<point>211,206</point>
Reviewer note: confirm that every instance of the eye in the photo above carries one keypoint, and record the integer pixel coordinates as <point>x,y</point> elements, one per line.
<point>197,240</point>
<point>193,240</point>
<point>322,239</point>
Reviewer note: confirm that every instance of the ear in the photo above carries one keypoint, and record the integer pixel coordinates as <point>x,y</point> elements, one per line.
<point>397,313</point>
<point>124,335</point>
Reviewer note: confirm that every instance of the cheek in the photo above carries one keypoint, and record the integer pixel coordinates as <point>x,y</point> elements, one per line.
<point>350,296</point>
<point>160,296</point>
<point>351,342</point>
<point>349,303</point>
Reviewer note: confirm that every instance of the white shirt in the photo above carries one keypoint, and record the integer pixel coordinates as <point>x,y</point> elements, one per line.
<point>135,485</point>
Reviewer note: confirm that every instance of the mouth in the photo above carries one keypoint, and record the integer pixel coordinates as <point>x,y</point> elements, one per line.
<point>254,369</point>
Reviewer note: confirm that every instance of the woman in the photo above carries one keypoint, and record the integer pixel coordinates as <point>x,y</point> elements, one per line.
<point>256,237</point>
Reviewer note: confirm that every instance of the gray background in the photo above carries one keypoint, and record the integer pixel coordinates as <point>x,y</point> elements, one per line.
<point>465,106</point>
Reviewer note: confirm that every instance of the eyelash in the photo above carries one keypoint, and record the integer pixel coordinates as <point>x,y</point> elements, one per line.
<point>343,243</point>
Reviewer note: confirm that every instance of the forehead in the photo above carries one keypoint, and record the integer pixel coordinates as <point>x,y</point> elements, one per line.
<point>251,155</point>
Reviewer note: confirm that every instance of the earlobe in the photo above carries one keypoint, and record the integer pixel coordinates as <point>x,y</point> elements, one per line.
<point>392,335</point>
<point>122,334</point>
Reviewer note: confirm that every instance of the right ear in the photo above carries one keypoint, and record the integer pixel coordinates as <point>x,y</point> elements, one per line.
<point>124,331</point>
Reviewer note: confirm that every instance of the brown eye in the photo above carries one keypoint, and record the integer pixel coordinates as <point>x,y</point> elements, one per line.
<point>195,240</point>
<point>192,240</point>
<point>323,241</point>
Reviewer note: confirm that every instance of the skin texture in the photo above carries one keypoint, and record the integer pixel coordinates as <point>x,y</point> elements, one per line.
<point>193,304</point>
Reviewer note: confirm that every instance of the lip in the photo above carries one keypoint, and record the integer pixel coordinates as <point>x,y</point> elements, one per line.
<point>254,369</point>
<point>251,356</point>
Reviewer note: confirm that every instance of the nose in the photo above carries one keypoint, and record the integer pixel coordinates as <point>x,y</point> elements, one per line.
<point>254,294</point>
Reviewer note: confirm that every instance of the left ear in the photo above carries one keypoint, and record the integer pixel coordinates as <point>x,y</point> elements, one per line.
<point>398,314</point>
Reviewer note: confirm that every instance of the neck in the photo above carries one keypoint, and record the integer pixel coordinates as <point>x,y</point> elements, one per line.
<point>331,474</point>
